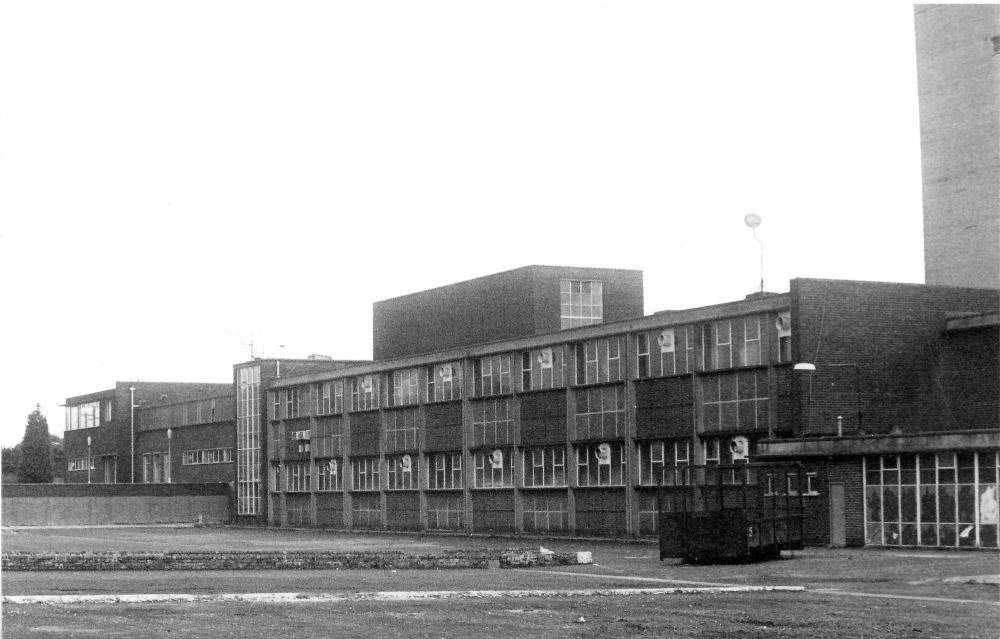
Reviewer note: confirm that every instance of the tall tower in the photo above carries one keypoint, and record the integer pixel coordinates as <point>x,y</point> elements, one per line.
<point>958,72</point>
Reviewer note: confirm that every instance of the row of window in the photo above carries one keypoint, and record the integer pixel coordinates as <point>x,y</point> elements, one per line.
<point>734,401</point>
<point>82,463</point>
<point>89,415</point>
<point>207,456</point>
<point>596,464</point>
<point>713,346</point>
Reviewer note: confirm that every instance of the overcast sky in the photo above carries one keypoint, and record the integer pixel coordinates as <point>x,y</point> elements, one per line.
<point>178,179</point>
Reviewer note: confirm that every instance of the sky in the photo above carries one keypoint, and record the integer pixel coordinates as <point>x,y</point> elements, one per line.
<point>181,179</point>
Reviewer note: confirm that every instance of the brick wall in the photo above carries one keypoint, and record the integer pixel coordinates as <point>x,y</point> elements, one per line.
<point>895,333</point>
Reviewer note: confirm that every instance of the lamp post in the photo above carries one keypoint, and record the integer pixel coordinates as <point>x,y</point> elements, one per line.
<point>807,366</point>
<point>131,419</point>
<point>170,458</point>
<point>90,459</point>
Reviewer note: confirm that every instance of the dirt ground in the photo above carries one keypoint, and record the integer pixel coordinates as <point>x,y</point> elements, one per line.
<point>847,592</point>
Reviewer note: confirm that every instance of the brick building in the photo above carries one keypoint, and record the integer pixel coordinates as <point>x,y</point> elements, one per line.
<point>565,432</point>
<point>102,427</point>
<point>888,393</point>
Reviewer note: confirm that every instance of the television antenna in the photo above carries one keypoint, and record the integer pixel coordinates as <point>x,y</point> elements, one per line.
<point>753,221</point>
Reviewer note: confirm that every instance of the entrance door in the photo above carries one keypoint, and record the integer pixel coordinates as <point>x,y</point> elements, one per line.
<point>838,534</point>
<point>110,468</point>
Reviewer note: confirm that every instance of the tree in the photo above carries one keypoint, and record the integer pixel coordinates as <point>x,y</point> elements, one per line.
<point>58,458</point>
<point>10,461</point>
<point>35,466</point>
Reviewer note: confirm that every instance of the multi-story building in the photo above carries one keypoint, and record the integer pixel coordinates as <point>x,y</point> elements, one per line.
<point>958,66</point>
<point>567,432</point>
<point>101,428</point>
<point>888,393</point>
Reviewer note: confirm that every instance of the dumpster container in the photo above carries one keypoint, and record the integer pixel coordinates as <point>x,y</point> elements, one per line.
<point>721,513</point>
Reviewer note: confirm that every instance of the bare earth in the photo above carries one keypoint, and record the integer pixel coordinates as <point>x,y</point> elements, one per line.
<point>848,593</point>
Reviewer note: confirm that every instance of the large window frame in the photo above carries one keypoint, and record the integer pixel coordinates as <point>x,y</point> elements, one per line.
<point>599,467</point>
<point>544,467</point>
<point>581,303</point>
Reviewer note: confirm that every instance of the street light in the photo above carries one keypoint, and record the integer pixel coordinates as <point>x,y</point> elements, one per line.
<point>90,459</point>
<point>170,434</point>
<point>131,419</point>
<point>808,366</point>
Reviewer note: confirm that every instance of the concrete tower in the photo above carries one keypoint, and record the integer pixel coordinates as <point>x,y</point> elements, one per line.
<point>958,66</point>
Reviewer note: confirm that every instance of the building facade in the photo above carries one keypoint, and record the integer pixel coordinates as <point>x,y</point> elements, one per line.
<point>101,428</point>
<point>887,393</point>
<point>531,300</point>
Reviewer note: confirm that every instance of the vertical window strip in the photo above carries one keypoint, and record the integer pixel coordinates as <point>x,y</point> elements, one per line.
<point>642,355</point>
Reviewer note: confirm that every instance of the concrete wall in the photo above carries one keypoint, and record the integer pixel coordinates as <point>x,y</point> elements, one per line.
<point>102,504</point>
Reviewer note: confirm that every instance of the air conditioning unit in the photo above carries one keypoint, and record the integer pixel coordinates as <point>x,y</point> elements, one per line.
<point>739,447</point>
<point>367,384</point>
<point>406,463</point>
<point>332,465</point>
<point>446,373</point>
<point>666,340</point>
<point>784,324</point>
<point>545,358</point>
<point>604,454</point>
<point>496,459</point>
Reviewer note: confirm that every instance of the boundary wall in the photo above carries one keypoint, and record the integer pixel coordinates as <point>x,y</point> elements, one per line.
<point>109,504</point>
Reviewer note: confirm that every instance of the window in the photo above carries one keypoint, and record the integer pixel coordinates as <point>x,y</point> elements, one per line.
<point>581,302</point>
<point>82,463</point>
<point>444,382</point>
<point>401,472</point>
<point>276,403</point>
<point>401,429</point>
<point>655,456</point>
<point>297,476</point>
<point>403,387</point>
<point>545,466</point>
<point>446,471</point>
<point>294,401</point>
<point>248,440</point>
<point>783,324</point>
<point>944,499</point>
<point>329,397</point>
<point>642,355</point>
<point>736,401</point>
<point>598,361</point>
<point>750,353</point>
<point>541,369</point>
<point>722,355</point>
<point>600,464</point>
<point>720,451</point>
<point>107,410</point>
<point>365,473</point>
<point>600,412</point>
<point>492,422</point>
<point>155,468</point>
<point>324,398</point>
<point>328,475</point>
<point>207,456</point>
<point>494,468</point>
<point>302,440</point>
<point>83,416</point>
<point>364,392</point>
<point>492,375</point>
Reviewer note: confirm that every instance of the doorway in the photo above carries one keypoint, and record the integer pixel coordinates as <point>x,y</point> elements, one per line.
<point>838,524</point>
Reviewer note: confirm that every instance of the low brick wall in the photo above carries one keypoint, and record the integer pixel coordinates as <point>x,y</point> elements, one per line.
<point>305,560</point>
<point>103,504</point>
